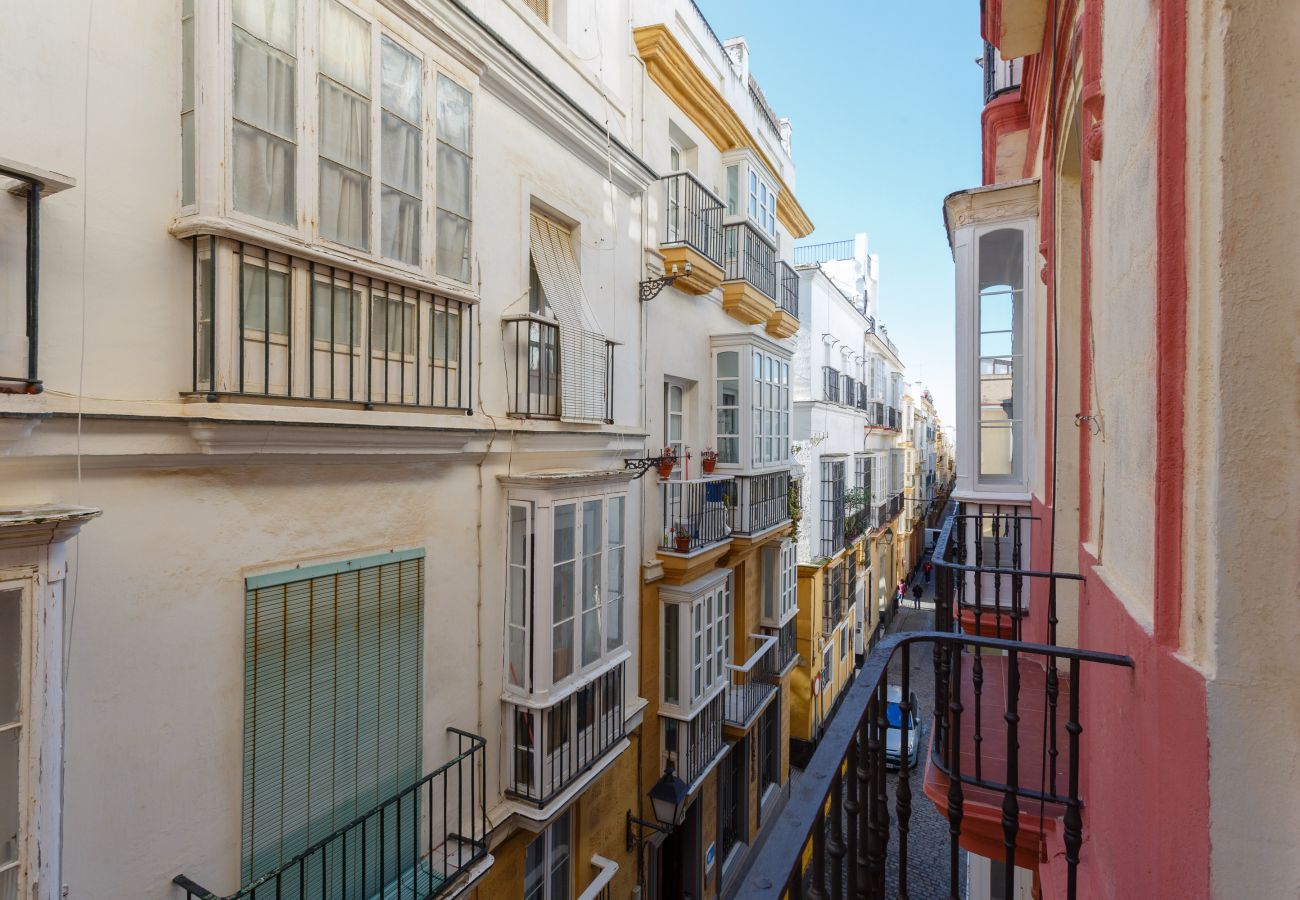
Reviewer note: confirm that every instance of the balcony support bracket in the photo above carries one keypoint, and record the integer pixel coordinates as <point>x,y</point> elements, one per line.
<point>651,287</point>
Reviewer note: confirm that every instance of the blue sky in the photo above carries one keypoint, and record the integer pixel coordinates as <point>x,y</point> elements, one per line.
<point>885,99</point>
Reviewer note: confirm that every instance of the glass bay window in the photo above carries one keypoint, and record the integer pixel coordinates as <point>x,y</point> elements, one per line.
<point>385,112</point>
<point>696,631</point>
<point>751,403</point>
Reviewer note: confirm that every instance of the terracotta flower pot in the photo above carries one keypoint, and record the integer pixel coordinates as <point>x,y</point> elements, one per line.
<point>665,469</point>
<point>708,465</point>
<point>682,542</point>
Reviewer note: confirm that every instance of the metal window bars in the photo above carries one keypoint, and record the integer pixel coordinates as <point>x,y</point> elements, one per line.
<point>1000,75</point>
<point>417,843</point>
<point>555,745</point>
<point>534,374</point>
<point>695,743</point>
<point>832,536</point>
<point>831,384</point>
<point>814,254</point>
<point>838,838</point>
<point>273,324</point>
<point>24,376</point>
<point>760,502</point>
<point>749,256</point>
<point>692,215</point>
<point>788,283</point>
<point>697,513</point>
<point>750,684</point>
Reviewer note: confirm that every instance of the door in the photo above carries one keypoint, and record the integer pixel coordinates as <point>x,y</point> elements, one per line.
<point>678,860</point>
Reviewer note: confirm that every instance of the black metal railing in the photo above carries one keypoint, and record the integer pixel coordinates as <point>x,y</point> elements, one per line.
<point>760,502</point>
<point>749,257</point>
<point>831,384</point>
<point>893,418</point>
<point>750,683</point>
<point>862,401</point>
<point>21,376</point>
<point>849,390</point>
<point>692,215</point>
<point>788,285</point>
<point>533,348</point>
<point>693,744</point>
<point>555,745</point>
<point>417,843</point>
<point>272,324</point>
<point>832,536</point>
<point>785,651</point>
<point>880,515</point>
<point>876,414</point>
<point>856,524</point>
<point>813,254</point>
<point>837,837</point>
<point>895,505</point>
<point>1000,75</point>
<point>697,513</point>
<point>832,597</point>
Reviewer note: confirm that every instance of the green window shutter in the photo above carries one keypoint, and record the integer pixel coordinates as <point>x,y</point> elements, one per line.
<point>332,705</point>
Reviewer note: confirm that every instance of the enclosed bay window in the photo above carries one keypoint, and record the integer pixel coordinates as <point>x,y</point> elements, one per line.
<point>744,173</point>
<point>567,587</point>
<point>341,130</point>
<point>751,402</point>
<point>1001,341</point>
<point>780,587</point>
<point>696,624</point>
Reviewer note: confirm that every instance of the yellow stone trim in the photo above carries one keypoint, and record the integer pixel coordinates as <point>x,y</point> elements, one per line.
<point>746,303</point>
<point>782,324</point>
<point>685,569</point>
<point>705,273</point>
<point>668,64</point>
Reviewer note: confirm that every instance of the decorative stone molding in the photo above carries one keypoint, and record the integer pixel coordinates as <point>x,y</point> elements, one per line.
<point>994,203</point>
<point>36,526</point>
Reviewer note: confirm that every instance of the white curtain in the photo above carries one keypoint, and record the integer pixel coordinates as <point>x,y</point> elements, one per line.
<point>344,127</point>
<point>264,130</point>
<point>400,153</point>
<point>453,180</point>
<point>271,20</point>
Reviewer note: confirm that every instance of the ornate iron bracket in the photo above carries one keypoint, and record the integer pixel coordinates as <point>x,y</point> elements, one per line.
<point>644,464</point>
<point>651,287</point>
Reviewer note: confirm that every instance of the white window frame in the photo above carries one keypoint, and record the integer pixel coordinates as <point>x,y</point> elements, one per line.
<point>545,688</point>
<point>780,562</point>
<point>213,112</point>
<point>19,869</point>
<point>765,402</point>
<point>705,640</point>
<point>548,836</point>
<point>758,192</point>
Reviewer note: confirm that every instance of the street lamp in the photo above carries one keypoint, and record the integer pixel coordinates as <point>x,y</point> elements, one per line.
<point>668,799</point>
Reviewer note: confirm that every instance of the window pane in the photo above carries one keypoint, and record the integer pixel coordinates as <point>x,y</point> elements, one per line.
<point>535,869</point>
<point>400,219</point>
<point>345,47</point>
<point>271,20</point>
<point>558,834</point>
<point>400,80</point>
<point>400,159</point>
<point>733,189</point>
<point>446,336</point>
<point>11,660</point>
<point>344,127</point>
<point>671,655</point>
<point>187,159</point>
<point>263,175</point>
<point>728,364</point>
<point>453,181</point>
<point>257,292</point>
<point>614,613</point>
<point>263,88</point>
<point>454,104</point>
<point>8,799</point>
<point>453,246</point>
<point>344,205</point>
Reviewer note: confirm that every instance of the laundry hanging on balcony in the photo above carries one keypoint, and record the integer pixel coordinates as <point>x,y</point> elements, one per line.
<point>584,348</point>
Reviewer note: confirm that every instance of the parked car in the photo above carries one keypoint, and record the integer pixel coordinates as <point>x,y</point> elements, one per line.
<point>894,731</point>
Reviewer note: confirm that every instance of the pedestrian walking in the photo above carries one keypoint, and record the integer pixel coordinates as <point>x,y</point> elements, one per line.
<point>927,568</point>
<point>901,592</point>
<point>917,590</point>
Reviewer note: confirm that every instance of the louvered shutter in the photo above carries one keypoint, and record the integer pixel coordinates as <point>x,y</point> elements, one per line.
<point>583,355</point>
<point>332,710</point>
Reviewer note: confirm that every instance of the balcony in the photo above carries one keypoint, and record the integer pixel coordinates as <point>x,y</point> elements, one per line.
<point>784,652</point>
<point>784,322</point>
<point>272,325</point>
<point>760,503</point>
<point>1000,75</point>
<point>833,598</point>
<point>555,745</point>
<point>833,518</point>
<point>426,840</point>
<point>1003,766</point>
<point>749,289</point>
<point>831,384</point>
<point>19,372</point>
<point>751,685</point>
<point>849,390</point>
<point>856,524</point>
<point>535,381</point>
<point>697,513</point>
<point>692,234</point>
<point>694,745</point>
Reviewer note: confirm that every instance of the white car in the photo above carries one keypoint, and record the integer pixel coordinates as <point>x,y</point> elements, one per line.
<point>894,731</point>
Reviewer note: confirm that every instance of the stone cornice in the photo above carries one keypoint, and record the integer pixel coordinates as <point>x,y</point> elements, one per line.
<point>39,525</point>
<point>992,203</point>
<point>668,64</point>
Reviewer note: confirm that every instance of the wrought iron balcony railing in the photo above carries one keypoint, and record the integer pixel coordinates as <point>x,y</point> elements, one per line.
<point>272,324</point>
<point>833,520</point>
<point>813,254</point>
<point>748,256</point>
<point>831,384</point>
<point>788,284</point>
<point>555,745</point>
<point>693,744</point>
<point>1000,75</point>
<point>784,652</point>
<point>760,502</point>
<point>697,512</point>
<point>880,515</point>
<point>849,390</point>
<point>751,682</point>
<point>839,838</point>
<point>418,843</point>
<point>535,383</point>
<point>856,524</point>
<point>692,215</point>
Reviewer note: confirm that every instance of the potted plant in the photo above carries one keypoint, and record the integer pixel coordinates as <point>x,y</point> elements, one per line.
<point>708,459</point>
<point>681,538</point>
<point>667,459</point>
